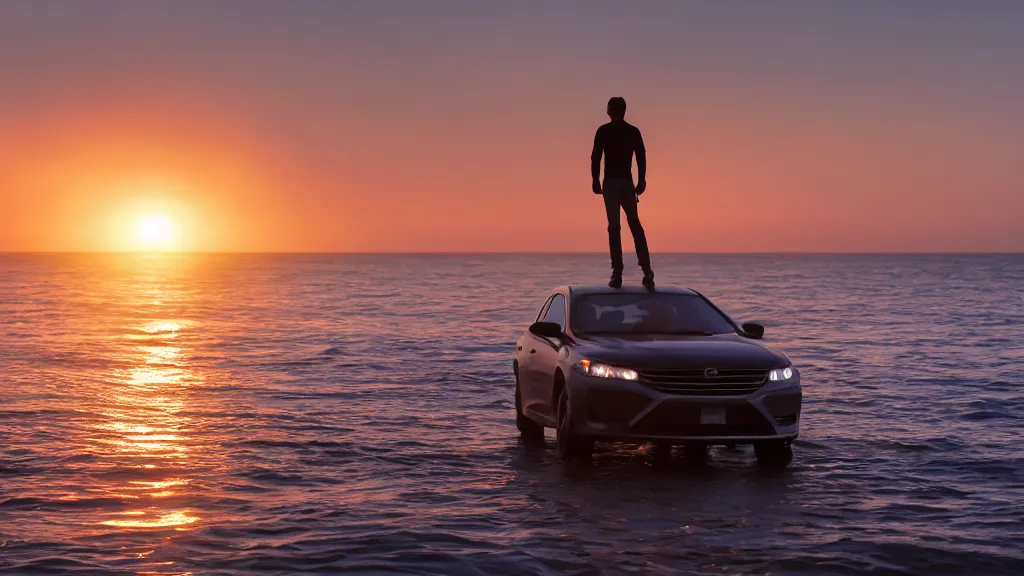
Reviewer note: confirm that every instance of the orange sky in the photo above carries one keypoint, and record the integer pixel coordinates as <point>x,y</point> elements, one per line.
<point>339,128</point>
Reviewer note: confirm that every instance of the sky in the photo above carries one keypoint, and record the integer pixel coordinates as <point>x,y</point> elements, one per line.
<point>466,126</point>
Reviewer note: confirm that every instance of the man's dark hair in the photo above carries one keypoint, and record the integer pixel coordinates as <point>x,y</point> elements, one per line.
<point>617,107</point>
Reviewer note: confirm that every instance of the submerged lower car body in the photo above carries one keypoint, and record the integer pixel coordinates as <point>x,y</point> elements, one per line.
<point>680,413</point>
<point>751,409</point>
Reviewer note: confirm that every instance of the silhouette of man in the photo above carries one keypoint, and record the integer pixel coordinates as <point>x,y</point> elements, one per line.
<point>618,141</point>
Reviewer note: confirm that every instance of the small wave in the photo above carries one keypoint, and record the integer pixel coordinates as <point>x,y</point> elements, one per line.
<point>273,476</point>
<point>809,444</point>
<point>59,565</point>
<point>986,415</point>
<point>56,503</point>
<point>902,445</point>
<point>21,503</point>
<point>15,471</point>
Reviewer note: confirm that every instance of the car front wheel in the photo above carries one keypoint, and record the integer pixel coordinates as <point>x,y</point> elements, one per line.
<point>773,453</point>
<point>531,432</point>
<point>570,444</point>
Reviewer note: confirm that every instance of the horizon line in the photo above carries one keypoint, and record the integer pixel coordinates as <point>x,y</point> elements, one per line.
<point>503,253</point>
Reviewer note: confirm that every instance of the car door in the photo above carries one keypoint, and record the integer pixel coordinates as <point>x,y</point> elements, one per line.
<point>545,359</point>
<point>526,349</point>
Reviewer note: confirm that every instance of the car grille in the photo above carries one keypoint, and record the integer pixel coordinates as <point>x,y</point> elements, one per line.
<point>694,382</point>
<point>674,419</point>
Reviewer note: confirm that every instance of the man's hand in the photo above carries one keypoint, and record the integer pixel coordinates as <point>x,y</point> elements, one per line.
<point>596,186</point>
<point>640,187</point>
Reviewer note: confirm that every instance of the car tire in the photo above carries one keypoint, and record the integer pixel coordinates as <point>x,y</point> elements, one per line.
<point>773,453</point>
<point>570,444</point>
<point>531,432</point>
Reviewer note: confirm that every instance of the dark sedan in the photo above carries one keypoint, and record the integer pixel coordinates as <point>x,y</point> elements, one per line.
<point>664,366</point>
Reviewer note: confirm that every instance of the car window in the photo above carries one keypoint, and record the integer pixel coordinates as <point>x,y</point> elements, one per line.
<point>556,312</point>
<point>543,309</point>
<point>648,313</point>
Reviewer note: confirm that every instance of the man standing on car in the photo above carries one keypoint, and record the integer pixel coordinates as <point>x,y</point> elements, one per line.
<point>618,141</point>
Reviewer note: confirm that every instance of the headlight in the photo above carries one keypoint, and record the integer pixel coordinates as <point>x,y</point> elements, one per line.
<point>598,370</point>
<point>781,374</point>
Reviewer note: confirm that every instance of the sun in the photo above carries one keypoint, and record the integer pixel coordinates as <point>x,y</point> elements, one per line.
<point>156,233</point>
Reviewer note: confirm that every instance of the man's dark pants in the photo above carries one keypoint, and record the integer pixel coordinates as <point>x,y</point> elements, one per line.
<point>620,193</point>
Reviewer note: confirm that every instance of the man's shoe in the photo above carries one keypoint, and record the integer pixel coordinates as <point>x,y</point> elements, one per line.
<point>616,279</point>
<point>648,280</point>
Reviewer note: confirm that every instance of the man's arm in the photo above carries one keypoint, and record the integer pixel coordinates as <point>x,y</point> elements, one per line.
<point>595,161</point>
<point>641,163</point>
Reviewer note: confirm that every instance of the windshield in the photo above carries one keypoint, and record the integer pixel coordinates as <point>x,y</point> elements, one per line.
<point>650,313</point>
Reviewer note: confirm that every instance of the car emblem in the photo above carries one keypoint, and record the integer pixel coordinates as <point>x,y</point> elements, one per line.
<point>711,373</point>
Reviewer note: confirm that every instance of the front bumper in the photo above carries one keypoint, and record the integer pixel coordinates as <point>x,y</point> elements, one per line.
<point>632,410</point>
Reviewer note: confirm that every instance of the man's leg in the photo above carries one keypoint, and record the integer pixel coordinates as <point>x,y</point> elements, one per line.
<point>643,256</point>
<point>611,207</point>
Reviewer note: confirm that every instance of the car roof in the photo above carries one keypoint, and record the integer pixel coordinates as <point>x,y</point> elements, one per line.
<point>576,291</point>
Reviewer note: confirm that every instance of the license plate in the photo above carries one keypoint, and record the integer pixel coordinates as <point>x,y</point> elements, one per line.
<point>712,415</point>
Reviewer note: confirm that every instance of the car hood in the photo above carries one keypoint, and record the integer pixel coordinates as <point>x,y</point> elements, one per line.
<point>666,352</point>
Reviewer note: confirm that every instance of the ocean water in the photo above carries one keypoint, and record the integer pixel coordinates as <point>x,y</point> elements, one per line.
<point>238,414</point>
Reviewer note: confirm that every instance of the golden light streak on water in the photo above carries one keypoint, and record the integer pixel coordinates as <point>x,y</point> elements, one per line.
<point>146,425</point>
<point>139,431</point>
<point>162,521</point>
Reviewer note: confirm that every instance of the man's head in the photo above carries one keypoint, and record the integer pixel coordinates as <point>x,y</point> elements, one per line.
<point>617,108</point>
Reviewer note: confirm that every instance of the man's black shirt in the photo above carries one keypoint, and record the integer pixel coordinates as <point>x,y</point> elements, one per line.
<point>618,140</point>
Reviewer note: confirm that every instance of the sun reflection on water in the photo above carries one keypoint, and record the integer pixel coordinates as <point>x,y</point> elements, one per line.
<point>144,424</point>
<point>140,426</point>
<point>166,520</point>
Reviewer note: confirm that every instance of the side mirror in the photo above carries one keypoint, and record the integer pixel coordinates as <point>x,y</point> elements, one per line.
<point>752,330</point>
<point>547,329</point>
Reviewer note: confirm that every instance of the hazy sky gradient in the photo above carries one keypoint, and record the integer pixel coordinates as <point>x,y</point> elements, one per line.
<point>467,126</point>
